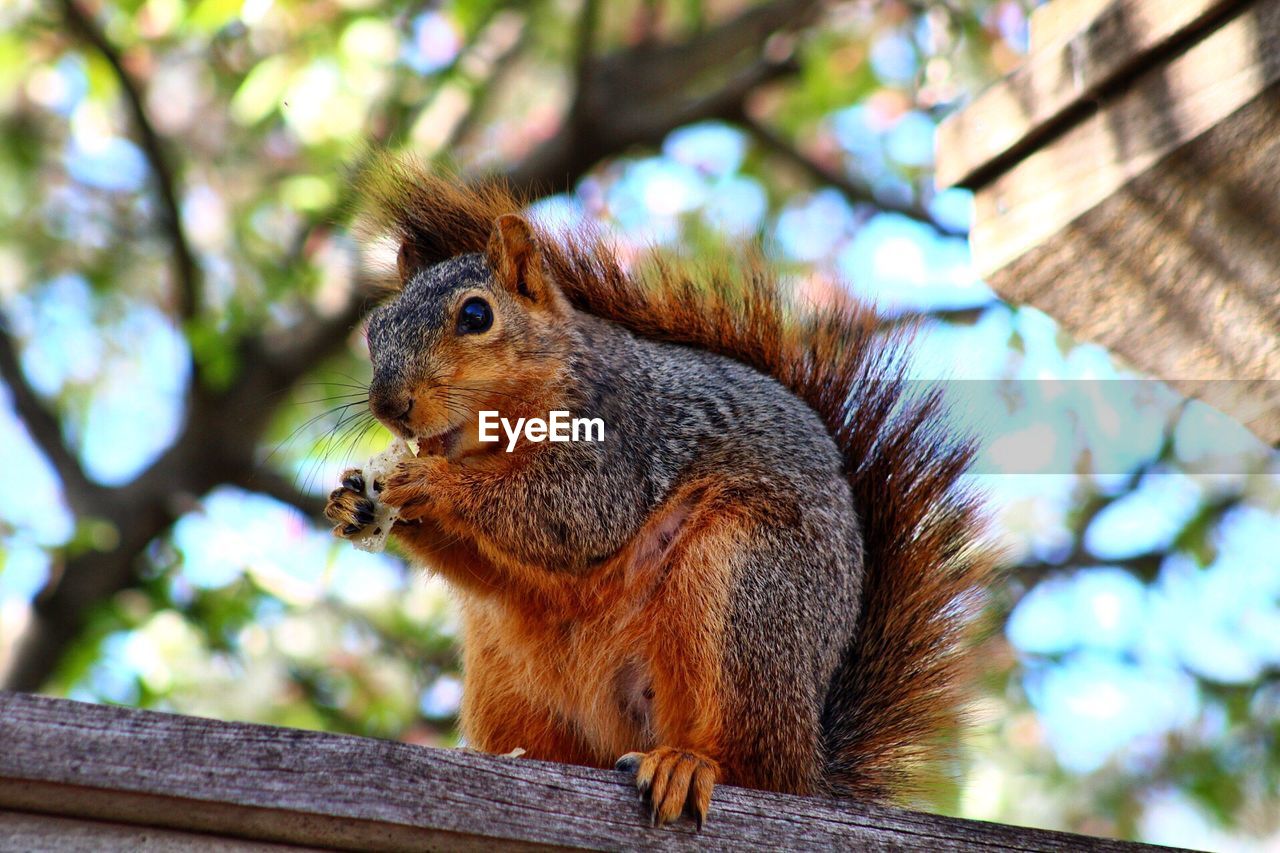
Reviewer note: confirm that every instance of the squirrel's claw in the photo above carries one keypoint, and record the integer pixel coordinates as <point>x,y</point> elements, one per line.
<point>348,508</point>
<point>700,795</point>
<point>671,780</point>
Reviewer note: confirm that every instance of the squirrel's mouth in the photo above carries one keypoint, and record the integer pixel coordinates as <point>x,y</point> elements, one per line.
<point>442,443</point>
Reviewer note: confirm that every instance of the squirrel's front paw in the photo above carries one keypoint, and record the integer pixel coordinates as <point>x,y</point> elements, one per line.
<point>415,485</point>
<point>671,779</point>
<point>348,507</point>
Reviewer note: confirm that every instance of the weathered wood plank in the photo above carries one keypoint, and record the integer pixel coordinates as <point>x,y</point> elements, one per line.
<point>1061,75</point>
<point>273,784</point>
<point>28,832</point>
<point>1150,225</point>
<point>1055,22</point>
<point>1177,272</point>
<point>1166,108</point>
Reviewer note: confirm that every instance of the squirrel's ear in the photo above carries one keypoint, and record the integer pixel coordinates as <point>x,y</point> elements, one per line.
<point>513,254</point>
<point>408,261</point>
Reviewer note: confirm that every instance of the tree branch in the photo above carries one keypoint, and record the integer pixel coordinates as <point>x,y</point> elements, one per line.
<point>136,516</point>
<point>495,69</point>
<point>638,95</point>
<point>905,319</point>
<point>726,103</point>
<point>311,340</point>
<point>855,191</point>
<point>584,48</point>
<point>217,445</point>
<point>44,429</point>
<point>186,271</point>
<point>651,72</point>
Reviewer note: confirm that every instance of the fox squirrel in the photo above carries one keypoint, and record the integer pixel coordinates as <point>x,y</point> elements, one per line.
<point>761,576</point>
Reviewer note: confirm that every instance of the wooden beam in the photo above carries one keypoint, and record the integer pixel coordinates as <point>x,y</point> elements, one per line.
<point>27,831</point>
<point>1166,108</point>
<point>1149,225</point>
<point>1081,50</point>
<point>129,768</point>
<point>1176,273</point>
<point>1053,23</point>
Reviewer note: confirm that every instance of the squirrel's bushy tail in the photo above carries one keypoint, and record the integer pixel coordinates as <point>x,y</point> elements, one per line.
<point>897,694</point>
<point>894,703</point>
<point>894,707</point>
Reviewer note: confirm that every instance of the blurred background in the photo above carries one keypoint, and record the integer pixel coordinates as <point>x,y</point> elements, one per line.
<point>182,362</point>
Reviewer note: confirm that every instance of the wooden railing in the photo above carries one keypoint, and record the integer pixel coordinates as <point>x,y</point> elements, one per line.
<point>80,776</point>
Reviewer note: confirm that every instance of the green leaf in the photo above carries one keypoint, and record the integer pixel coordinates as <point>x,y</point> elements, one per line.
<point>262,91</point>
<point>209,16</point>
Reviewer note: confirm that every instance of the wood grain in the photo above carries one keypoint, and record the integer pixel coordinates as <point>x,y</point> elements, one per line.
<point>1069,69</point>
<point>1149,226</point>
<point>1054,22</point>
<point>1167,108</point>
<point>26,831</point>
<point>1176,272</point>
<point>261,783</point>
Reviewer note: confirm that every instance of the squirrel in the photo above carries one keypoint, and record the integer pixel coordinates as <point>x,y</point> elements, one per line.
<point>762,576</point>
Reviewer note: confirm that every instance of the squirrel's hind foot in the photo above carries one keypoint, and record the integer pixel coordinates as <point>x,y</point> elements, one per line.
<point>348,508</point>
<point>671,780</point>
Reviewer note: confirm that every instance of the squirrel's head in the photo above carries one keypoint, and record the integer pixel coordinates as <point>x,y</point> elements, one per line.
<point>474,332</point>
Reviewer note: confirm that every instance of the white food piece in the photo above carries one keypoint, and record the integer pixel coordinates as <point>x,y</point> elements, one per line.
<point>373,538</point>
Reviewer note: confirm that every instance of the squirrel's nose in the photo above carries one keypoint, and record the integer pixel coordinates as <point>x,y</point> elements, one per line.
<point>390,407</point>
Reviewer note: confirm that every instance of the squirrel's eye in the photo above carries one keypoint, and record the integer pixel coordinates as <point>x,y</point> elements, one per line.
<point>476,316</point>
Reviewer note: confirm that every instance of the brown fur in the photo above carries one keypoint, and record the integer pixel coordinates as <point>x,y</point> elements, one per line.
<point>558,633</point>
<point>897,691</point>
